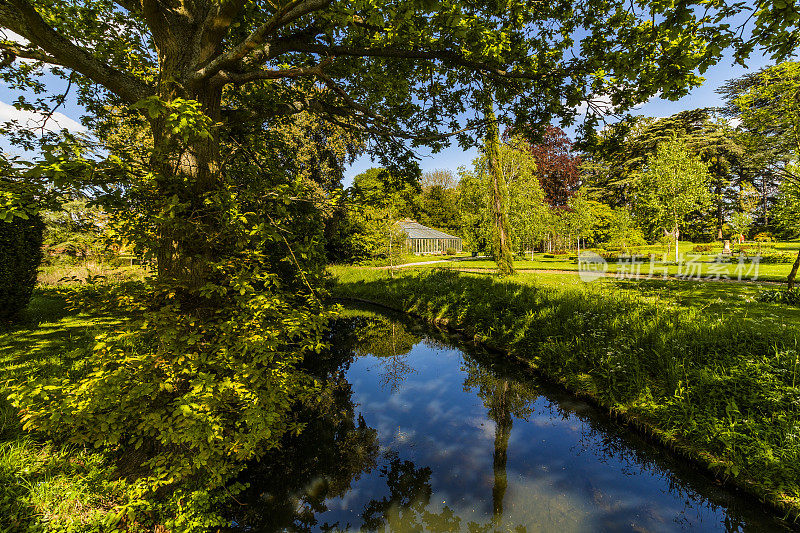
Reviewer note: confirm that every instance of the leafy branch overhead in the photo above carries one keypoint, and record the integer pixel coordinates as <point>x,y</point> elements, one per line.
<point>407,66</point>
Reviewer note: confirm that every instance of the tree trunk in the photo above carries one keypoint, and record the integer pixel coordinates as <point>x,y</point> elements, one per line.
<point>677,235</point>
<point>188,185</point>
<point>720,209</point>
<point>793,272</point>
<point>502,251</point>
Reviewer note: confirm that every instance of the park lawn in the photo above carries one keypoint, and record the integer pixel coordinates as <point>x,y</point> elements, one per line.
<point>46,484</point>
<point>700,366</point>
<point>765,272</point>
<point>411,258</point>
<point>724,300</point>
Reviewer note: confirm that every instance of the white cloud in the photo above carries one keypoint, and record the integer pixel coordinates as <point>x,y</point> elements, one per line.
<point>734,122</point>
<point>29,119</point>
<point>11,36</point>
<point>600,104</point>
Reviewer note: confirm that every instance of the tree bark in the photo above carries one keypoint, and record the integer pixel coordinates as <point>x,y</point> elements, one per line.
<point>502,250</point>
<point>188,169</point>
<point>677,235</point>
<point>793,272</point>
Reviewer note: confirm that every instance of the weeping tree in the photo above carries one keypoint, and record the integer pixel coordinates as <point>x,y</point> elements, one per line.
<point>498,199</point>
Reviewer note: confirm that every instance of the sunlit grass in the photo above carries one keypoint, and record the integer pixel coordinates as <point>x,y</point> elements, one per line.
<point>47,485</point>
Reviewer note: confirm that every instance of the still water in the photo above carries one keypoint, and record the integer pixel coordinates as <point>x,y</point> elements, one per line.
<point>416,430</point>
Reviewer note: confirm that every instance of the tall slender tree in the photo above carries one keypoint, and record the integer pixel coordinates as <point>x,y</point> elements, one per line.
<point>501,247</point>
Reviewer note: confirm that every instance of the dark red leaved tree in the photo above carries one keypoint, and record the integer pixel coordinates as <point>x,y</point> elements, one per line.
<point>558,168</point>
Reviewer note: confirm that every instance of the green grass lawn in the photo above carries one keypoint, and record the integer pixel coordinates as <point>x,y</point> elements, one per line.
<point>701,366</point>
<point>411,258</point>
<point>701,266</point>
<point>46,484</point>
<point>723,300</point>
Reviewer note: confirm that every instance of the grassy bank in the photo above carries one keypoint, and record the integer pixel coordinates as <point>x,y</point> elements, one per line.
<point>47,485</point>
<point>720,387</point>
<point>697,267</point>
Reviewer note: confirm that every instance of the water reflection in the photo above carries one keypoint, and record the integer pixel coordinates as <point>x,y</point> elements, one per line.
<point>412,434</point>
<point>390,341</point>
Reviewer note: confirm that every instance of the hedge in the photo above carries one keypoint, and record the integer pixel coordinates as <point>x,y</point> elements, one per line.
<point>20,256</point>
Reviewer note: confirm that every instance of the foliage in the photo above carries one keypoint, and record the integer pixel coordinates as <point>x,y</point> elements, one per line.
<point>722,392</point>
<point>76,230</point>
<point>623,232</point>
<point>768,107</point>
<point>364,226</point>
<point>527,212</point>
<point>783,296</point>
<point>787,208</point>
<point>673,184</point>
<point>153,386</point>
<point>580,217</point>
<point>763,103</point>
<point>20,256</point>
<point>439,208</point>
<point>557,167</point>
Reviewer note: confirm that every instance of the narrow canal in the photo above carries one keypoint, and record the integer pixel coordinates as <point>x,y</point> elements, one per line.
<point>415,430</point>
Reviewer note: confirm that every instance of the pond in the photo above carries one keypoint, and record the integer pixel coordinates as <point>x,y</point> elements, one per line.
<point>416,429</point>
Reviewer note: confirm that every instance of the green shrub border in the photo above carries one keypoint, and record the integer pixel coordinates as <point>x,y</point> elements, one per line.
<point>20,257</point>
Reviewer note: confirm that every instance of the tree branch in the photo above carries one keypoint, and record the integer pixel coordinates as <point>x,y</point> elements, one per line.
<point>287,14</point>
<point>13,51</point>
<point>238,78</point>
<point>447,56</point>
<point>20,17</point>
<point>215,26</point>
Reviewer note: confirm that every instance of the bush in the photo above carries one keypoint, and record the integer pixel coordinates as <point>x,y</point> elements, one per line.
<point>764,236</point>
<point>783,296</point>
<point>703,248</point>
<point>450,251</point>
<point>20,256</point>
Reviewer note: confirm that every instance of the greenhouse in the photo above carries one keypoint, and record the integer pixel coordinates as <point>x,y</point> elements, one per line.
<point>421,240</point>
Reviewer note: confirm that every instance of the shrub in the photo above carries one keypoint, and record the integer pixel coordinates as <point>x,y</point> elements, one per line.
<point>450,251</point>
<point>20,256</point>
<point>703,247</point>
<point>784,296</point>
<point>764,236</point>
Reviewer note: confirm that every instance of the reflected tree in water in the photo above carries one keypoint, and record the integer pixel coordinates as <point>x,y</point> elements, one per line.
<point>391,342</point>
<point>503,398</point>
<point>406,506</point>
<point>291,485</point>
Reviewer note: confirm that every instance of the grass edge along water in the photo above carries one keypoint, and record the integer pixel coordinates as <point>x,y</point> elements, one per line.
<point>724,393</point>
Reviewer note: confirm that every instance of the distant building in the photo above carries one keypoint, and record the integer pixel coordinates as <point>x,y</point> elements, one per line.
<point>422,240</point>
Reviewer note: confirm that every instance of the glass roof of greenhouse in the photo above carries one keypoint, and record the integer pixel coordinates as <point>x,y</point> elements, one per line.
<point>415,230</point>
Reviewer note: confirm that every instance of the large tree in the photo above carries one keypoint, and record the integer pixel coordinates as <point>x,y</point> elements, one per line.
<point>558,167</point>
<point>614,161</point>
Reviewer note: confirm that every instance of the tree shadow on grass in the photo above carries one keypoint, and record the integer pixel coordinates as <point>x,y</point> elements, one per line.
<point>41,478</point>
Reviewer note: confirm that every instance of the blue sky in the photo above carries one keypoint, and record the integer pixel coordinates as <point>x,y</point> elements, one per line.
<point>450,158</point>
